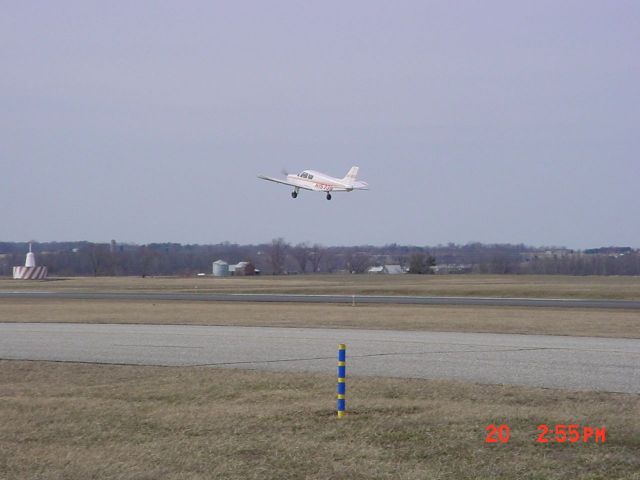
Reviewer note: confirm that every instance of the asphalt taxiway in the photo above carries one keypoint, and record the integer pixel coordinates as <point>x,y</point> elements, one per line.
<point>580,363</point>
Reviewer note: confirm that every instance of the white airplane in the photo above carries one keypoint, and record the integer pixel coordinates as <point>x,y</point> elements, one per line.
<point>321,182</point>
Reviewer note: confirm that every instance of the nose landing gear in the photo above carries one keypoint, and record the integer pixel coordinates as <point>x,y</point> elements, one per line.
<point>328,196</point>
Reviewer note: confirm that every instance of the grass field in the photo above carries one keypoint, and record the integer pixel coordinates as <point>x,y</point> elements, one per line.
<point>78,421</point>
<point>589,322</point>
<point>536,286</point>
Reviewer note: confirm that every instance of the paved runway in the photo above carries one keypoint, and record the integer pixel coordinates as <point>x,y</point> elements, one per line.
<point>581,363</point>
<point>386,299</point>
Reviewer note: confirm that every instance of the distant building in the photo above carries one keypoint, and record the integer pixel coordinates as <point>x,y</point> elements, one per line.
<point>243,269</point>
<point>387,269</point>
<point>220,268</point>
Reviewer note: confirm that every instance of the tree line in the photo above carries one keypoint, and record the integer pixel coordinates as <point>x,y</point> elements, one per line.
<point>280,257</point>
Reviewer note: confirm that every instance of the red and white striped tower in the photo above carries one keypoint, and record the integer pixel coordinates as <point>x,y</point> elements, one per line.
<point>30,271</point>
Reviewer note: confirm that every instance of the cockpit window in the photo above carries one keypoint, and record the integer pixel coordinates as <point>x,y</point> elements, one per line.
<point>310,176</point>
<point>303,175</point>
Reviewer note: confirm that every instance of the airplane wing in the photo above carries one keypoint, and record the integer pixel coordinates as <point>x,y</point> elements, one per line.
<point>284,182</point>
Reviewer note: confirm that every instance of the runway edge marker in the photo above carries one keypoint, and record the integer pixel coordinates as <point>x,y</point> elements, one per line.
<point>342,386</point>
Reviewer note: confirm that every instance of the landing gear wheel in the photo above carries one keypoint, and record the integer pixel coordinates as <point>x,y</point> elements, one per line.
<point>294,194</point>
<point>328,196</point>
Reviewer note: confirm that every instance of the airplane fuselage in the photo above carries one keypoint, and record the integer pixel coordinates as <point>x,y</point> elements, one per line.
<point>314,180</point>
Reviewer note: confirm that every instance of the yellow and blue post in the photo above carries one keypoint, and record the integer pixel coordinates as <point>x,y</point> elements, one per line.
<point>342,373</point>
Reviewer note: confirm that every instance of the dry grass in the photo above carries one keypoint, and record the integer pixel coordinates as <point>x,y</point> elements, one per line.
<point>76,421</point>
<point>591,322</point>
<point>588,322</point>
<point>539,286</point>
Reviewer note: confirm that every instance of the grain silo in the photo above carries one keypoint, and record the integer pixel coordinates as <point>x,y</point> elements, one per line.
<point>220,268</point>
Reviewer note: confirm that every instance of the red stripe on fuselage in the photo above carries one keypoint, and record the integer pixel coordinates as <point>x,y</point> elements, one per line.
<point>318,184</point>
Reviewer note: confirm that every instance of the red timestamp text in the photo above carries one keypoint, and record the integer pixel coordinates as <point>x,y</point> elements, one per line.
<point>572,433</point>
<point>559,433</point>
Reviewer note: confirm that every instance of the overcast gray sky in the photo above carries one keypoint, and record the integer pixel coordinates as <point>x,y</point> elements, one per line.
<point>472,121</point>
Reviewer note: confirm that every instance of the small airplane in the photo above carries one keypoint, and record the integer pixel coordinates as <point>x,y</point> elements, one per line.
<point>320,182</point>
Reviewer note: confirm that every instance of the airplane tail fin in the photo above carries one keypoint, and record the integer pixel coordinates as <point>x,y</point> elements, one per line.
<point>351,175</point>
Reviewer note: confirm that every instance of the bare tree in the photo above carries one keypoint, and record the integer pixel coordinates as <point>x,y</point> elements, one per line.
<point>86,258</point>
<point>358,262</point>
<point>331,261</point>
<point>147,258</point>
<point>421,263</point>
<point>99,258</point>
<point>278,255</point>
<point>302,255</point>
<point>315,257</point>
